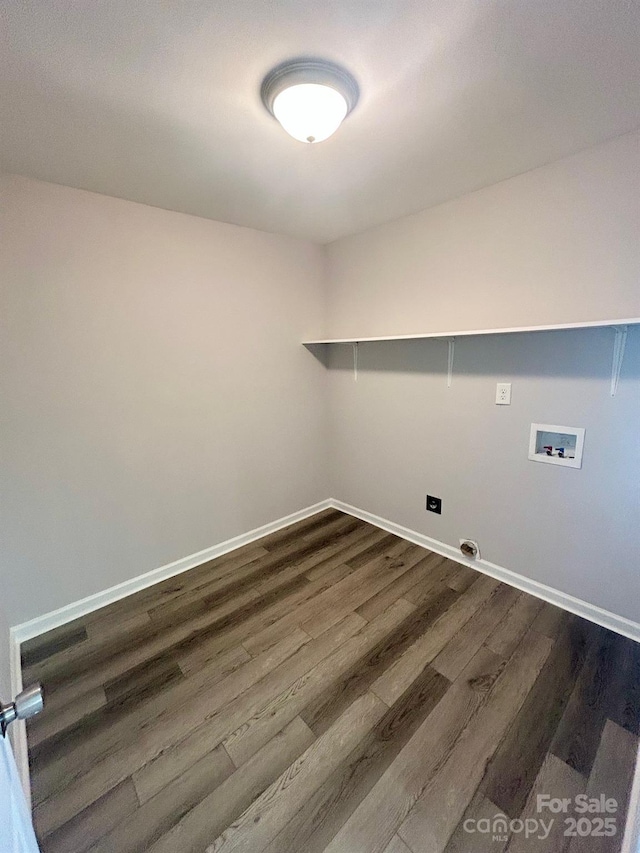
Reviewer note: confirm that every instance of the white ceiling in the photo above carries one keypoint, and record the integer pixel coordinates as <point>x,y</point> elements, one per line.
<point>158,100</point>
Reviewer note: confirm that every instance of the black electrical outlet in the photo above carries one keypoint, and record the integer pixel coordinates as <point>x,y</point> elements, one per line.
<point>434,504</point>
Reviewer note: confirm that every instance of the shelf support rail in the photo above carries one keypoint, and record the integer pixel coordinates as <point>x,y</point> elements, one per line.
<point>619,344</point>
<point>355,362</point>
<point>452,349</point>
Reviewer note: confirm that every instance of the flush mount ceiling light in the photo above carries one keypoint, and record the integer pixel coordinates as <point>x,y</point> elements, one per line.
<point>309,97</point>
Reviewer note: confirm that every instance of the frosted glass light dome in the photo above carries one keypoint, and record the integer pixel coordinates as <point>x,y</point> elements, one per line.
<point>310,112</point>
<point>309,97</point>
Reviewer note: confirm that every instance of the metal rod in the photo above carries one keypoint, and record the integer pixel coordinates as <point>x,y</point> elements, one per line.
<point>452,349</point>
<point>619,344</point>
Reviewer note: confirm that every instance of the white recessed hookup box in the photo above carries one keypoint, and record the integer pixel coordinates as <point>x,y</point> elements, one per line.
<point>556,445</point>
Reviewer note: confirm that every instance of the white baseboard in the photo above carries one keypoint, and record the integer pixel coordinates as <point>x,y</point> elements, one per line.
<point>57,618</point>
<point>609,620</point>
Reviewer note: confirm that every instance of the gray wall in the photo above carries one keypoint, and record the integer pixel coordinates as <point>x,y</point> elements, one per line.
<point>156,399</point>
<point>399,433</point>
<point>558,244</point>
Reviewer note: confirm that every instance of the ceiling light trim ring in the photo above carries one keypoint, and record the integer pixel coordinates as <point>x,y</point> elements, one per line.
<point>309,70</point>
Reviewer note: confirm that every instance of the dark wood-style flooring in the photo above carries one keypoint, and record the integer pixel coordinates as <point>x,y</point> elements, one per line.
<point>333,688</point>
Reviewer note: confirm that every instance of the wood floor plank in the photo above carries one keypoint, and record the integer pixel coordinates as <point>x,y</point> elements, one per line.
<point>206,821</point>
<point>358,679</point>
<point>170,753</point>
<point>148,675</point>
<point>467,836</point>
<point>323,814</point>
<point>225,662</point>
<point>75,683</point>
<point>611,775</point>
<point>379,549</point>
<point>270,813</point>
<point>429,826</point>
<point>508,633</point>
<point>156,817</point>
<point>404,670</point>
<point>272,715</point>
<point>318,542</point>
<point>101,632</point>
<point>237,603</point>
<point>298,558</point>
<point>461,648</point>
<point>441,570</point>
<point>35,652</point>
<point>577,737</point>
<point>309,528</point>
<point>185,586</point>
<point>291,533</point>
<point>263,639</point>
<point>623,705</point>
<point>419,574</point>
<point>72,725</point>
<point>555,779</point>
<point>549,620</point>
<point>212,593</point>
<point>374,822</point>
<point>332,526</point>
<point>257,632</point>
<point>349,546</point>
<point>79,778</point>
<point>482,671</point>
<point>515,765</point>
<point>379,602</point>
<point>93,822</point>
<point>346,596</point>
<point>48,725</point>
<point>462,578</point>
<point>124,699</point>
<point>113,727</point>
<point>396,845</point>
<point>318,530</point>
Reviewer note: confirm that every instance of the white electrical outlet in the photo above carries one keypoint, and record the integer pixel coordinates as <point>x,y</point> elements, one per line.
<point>503,394</point>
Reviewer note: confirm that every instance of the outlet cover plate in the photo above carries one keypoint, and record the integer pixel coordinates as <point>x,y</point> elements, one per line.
<point>503,394</point>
